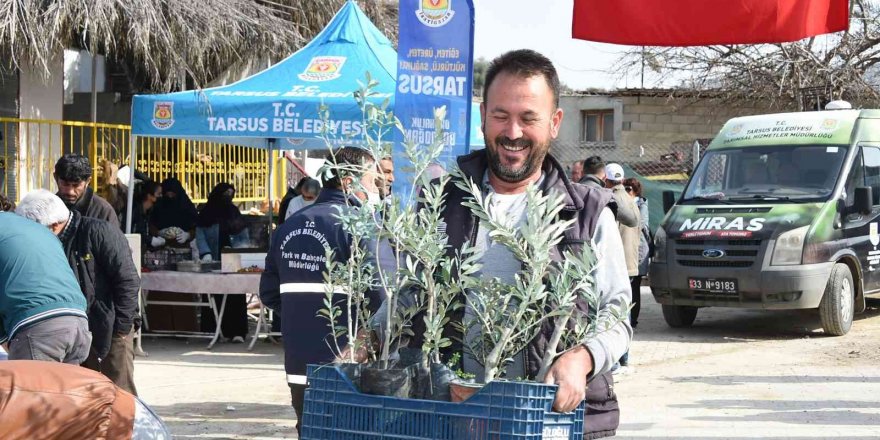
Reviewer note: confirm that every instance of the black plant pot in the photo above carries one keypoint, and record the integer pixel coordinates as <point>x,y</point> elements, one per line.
<point>392,382</point>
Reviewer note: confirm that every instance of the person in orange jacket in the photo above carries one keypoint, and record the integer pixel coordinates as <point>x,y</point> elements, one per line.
<point>50,400</point>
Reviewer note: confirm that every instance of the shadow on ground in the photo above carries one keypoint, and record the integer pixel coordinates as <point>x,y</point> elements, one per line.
<point>731,325</point>
<point>741,380</point>
<point>757,436</point>
<point>184,350</point>
<point>799,412</point>
<point>228,420</point>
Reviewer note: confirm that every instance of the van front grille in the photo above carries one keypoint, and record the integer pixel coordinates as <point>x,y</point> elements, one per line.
<point>729,253</point>
<point>720,243</point>
<point>736,253</point>
<point>715,263</point>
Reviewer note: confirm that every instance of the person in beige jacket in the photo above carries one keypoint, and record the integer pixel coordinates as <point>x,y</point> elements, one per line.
<point>629,224</point>
<point>628,218</point>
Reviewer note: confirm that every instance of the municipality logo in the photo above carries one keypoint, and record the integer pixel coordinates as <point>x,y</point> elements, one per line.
<point>735,130</point>
<point>323,69</point>
<point>163,115</point>
<point>829,125</point>
<point>435,13</point>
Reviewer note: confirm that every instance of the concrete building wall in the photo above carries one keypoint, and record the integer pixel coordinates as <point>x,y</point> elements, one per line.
<point>41,96</point>
<point>112,108</point>
<point>653,134</point>
<point>643,120</point>
<point>662,120</point>
<point>573,108</point>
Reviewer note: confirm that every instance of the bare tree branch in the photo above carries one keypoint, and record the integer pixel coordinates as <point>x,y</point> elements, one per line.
<point>838,66</point>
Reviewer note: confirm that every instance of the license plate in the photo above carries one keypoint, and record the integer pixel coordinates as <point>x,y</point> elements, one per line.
<point>719,285</point>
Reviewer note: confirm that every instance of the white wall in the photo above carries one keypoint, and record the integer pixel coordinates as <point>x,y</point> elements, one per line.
<point>78,73</point>
<point>41,96</point>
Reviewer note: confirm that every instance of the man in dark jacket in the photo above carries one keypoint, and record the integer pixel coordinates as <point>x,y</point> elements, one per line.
<point>293,281</point>
<point>73,174</point>
<point>594,172</point>
<point>101,259</point>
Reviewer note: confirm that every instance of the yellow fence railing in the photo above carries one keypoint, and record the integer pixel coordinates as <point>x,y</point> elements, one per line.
<point>29,149</point>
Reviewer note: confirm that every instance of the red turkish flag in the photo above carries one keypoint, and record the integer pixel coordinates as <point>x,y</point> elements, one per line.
<point>705,22</point>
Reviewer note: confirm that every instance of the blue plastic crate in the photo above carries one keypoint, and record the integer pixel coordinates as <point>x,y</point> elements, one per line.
<point>335,410</point>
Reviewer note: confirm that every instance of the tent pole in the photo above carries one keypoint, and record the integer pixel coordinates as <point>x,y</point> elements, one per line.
<point>269,155</point>
<point>132,161</point>
<point>130,196</point>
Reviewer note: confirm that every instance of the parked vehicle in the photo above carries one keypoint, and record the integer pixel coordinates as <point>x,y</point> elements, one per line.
<point>782,212</point>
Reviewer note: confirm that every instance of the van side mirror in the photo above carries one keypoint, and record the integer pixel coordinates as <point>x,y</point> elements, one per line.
<point>864,200</point>
<point>668,200</point>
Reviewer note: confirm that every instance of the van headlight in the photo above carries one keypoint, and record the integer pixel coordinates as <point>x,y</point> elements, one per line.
<point>660,246</point>
<point>789,247</point>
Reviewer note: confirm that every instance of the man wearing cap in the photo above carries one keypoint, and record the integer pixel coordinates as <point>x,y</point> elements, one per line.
<point>627,212</point>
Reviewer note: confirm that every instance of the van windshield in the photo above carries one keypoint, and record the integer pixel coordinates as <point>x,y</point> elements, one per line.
<point>772,173</point>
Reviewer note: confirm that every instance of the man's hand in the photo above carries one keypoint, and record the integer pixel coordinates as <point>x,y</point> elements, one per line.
<point>570,373</point>
<point>367,343</point>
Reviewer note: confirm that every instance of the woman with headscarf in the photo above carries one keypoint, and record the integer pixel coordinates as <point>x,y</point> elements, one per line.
<point>174,216</point>
<point>216,225</point>
<point>218,222</point>
<point>146,195</point>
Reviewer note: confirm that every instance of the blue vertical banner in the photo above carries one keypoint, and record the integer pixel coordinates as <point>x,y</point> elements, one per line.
<point>434,68</point>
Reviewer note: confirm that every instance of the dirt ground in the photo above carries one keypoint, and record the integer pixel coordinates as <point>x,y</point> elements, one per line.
<point>737,374</point>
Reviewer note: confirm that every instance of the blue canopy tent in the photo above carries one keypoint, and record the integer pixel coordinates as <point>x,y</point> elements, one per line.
<point>283,101</point>
<point>279,108</point>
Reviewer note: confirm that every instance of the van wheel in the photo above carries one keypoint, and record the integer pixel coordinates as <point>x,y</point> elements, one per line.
<point>679,316</point>
<point>836,308</point>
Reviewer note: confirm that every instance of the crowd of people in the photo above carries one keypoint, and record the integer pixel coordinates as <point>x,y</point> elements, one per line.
<point>92,291</point>
<point>68,295</point>
<point>632,222</point>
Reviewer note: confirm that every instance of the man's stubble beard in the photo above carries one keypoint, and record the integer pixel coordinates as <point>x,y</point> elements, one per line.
<point>534,160</point>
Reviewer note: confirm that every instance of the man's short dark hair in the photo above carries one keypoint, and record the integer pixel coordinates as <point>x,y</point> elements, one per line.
<point>311,186</point>
<point>523,63</point>
<point>340,158</point>
<point>73,168</point>
<point>593,165</point>
<point>6,205</point>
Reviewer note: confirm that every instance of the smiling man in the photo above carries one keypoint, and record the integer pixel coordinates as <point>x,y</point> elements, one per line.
<point>521,118</point>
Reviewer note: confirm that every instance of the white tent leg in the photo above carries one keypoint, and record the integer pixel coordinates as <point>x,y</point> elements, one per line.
<point>132,163</point>
<point>269,156</point>
<point>130,196</point>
